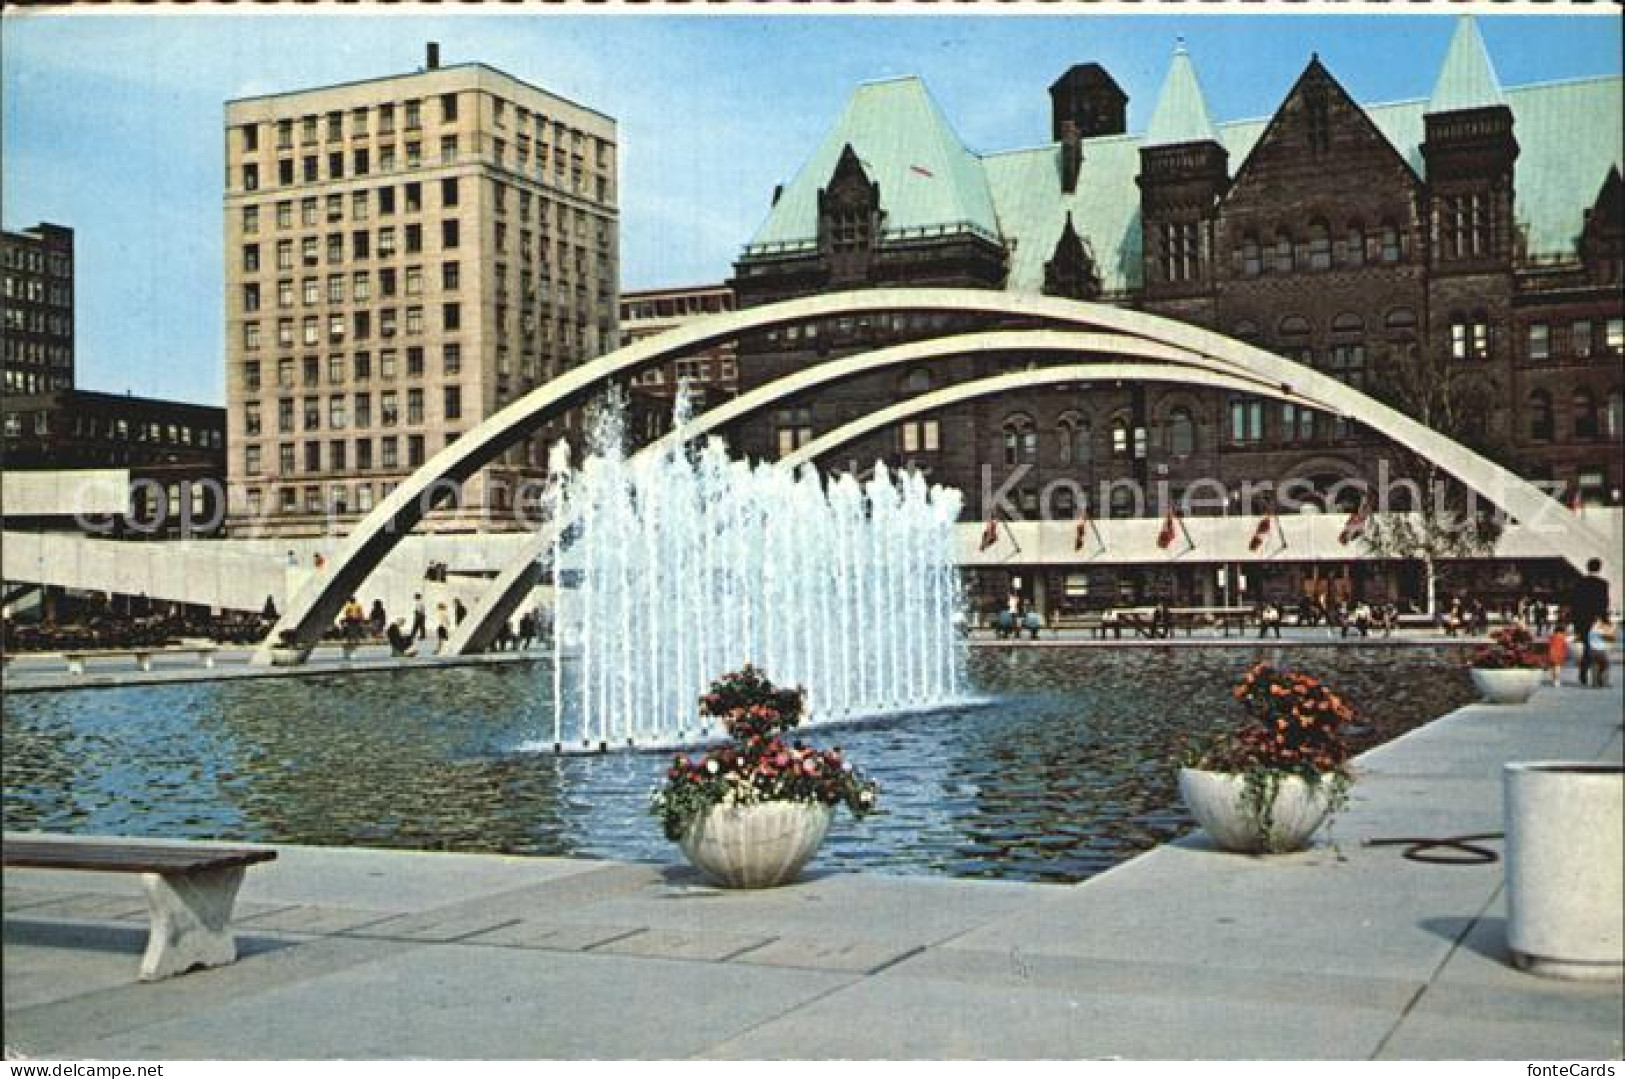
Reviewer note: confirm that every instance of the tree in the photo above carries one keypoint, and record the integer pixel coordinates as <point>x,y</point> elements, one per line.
<point>1422,513</point>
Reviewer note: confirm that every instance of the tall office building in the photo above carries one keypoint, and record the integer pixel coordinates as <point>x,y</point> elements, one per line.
<point>405,256</point>
<point>37,264</point>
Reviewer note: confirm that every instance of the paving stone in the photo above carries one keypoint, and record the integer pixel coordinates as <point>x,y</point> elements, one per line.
<point>90,908</point>
<point>676,944</point>
<point>553,936</point>
<point>431,926</point>
<point>24,898</point>
<point>315,920</point>
<point>850,956</point>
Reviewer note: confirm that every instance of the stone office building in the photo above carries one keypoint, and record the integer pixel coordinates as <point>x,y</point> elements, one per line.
<point>1481,228</point>
<point>405,256</point>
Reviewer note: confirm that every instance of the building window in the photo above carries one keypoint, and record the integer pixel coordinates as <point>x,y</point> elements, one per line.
<point>284,459</point>
<point>388,455</point>
<point>313,456</point>
<point>388,409</point>
<point>363,410</point>
<point>1540,416</point>
<point>1354,245</point>
<point>251,219</point>
<point>414,362</point>
<point>1346,363</point>
<point>1283,252</point>
<point>251,258</point>
<point>1614,337</point>
<point>1179,243</point>
<point>1614,417</point>
<point>251,375</point>
<point>414,450</point>
<point>453,402</point>
<point>452,358</point>
<point>449,235</point>
<point>450,276</point>
<point>1585,414</point>
<point>1246,420</point>
<point>451,316</point>
<point>1252,259</point>
<point>1181,433</point>
<point>1320,246</point>
<point>1020,440</point>
<point>448,108</point>
<point>1297,423</point>
<point>1540,341</point>
<point>921,436</point>
<point>363,463</point>
<point>1470,339</point>
<point>284,214</point>
<point>336,414</point>
<point>1580,339</point>
<point>313,413</point>
<point>793,429</point>
<point>1390,243</point>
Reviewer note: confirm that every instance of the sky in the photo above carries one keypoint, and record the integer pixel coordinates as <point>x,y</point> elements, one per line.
<point>113,123</point>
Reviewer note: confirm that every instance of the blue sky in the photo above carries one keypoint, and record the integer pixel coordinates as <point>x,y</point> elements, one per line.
<point>112,123</point>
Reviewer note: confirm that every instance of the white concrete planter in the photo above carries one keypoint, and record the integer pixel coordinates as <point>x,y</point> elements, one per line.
<point>283,655</point>
<point>1565,868</point>
<point>1215,800</point>
<point>1512,686</point>
<point>757,846</point>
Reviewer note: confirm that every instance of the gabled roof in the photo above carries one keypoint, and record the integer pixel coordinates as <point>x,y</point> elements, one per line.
<point>1467,78</point>
<point>1181,114</point>
<point>928,180</point>
<point>1569,135</point>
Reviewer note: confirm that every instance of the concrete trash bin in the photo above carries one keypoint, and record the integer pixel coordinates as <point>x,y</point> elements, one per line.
<point>1565,868</point>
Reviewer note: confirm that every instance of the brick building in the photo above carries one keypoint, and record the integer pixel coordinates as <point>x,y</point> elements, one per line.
<point>37,304</point>
<point>1479,230</point>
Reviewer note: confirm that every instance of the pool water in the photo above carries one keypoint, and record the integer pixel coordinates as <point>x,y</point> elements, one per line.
<point>1067,770</point>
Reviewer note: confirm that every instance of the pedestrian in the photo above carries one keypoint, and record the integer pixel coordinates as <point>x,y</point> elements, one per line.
<point>1537,611</point>
<point>400,645</point>
<point>459,610</point>
<point>442,628</point>
<point>354,621</point>
<point>505,638</point>
<point>293,559</point>
<point>1557,653</point>
<point>420,619</point>
<point>1269,621</point>
<point>319,560</point>
<point>377,619</point>
<point>527,631</point>
<point>1588,602</point>
<point>1597,641</point>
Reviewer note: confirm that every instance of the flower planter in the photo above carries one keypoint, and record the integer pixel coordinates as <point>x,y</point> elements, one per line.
<point>1565,868</point>
<point>756,846</point>
<point>1513,685</point>
<point>1215,799</point>
<point>283,655</point>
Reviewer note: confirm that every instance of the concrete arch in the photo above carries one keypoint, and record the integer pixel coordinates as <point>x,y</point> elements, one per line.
<point>314,608</point>
<point>502,598</point>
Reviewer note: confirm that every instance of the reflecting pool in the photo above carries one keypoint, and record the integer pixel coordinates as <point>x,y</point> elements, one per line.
<point>1069,771</point>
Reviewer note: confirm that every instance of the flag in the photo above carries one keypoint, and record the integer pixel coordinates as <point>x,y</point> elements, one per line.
<point>990,534</point>
<point>1166,536</point>
<point>923,171</point>
<point>1354,527</point>
<point>1086,525</point>
<point>1262,532</point>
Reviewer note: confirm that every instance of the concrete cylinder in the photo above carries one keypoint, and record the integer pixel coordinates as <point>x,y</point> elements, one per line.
<point>1565,868</point>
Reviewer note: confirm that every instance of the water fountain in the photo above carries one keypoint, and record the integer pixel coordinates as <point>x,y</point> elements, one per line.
<point>674,568</point>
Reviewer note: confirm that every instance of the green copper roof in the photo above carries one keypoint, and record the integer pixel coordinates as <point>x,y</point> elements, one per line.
<point>1181,113</point>
<point>1569,136</point>
<point>928,180</point>
<point>1467,79</point>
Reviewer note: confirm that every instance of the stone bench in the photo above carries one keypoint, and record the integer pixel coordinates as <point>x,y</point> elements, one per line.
<point>190,892</point>
<point>143,656</point>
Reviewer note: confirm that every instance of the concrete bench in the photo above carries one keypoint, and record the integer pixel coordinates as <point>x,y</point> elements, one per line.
<point>143,656</point>
<point>190,892</point>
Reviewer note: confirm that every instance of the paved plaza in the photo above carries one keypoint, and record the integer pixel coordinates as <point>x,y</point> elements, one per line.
<point>1343,952</point>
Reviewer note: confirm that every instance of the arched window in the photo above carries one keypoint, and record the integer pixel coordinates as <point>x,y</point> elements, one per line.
<point>1401,318</point>
<point>1320,245</point>
<point>1293,326</point>
<point>1020,440</point>
<point>918,380</point>
<point>1540,416</point>
<point>1391,250</point>
<point>1245,330</point>
<point>1252,257</point>
<point>1072,433</point>
<point>1181,433</point>
<point>1614,418</point>
<point>1348,322</point>
<point>1585,414</point>
<point>1354,244</point>
<point>1283,251</point>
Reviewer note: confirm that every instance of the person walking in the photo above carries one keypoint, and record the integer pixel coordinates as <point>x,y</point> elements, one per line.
<point>442,628</point>
<point>420,619</point>
<point>377,619</point>
<point>1588,602</point>
<point>1597,641</point>
<point>1557,653</point>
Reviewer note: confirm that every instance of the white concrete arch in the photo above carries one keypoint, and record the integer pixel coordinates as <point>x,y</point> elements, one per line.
<point>961,392</point>
<point>314,608</point>
<point>504,594</point>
